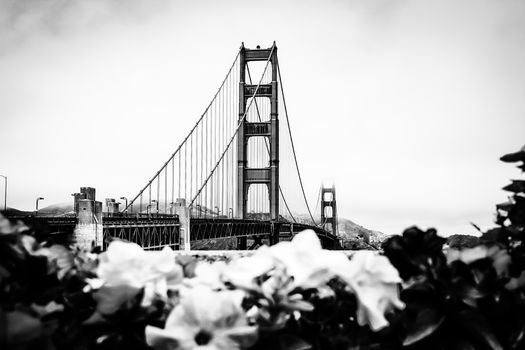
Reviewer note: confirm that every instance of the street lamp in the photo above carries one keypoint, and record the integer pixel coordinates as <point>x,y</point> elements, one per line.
<point>38,199</point>
<point>126,207</point>
<point>5,192</point>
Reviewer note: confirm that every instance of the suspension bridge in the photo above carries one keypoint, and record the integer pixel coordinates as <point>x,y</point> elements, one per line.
<point>223,179</point>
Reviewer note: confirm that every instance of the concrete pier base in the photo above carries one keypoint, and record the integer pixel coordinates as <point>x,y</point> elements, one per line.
<point>184,220</point>
<point>89,231</point>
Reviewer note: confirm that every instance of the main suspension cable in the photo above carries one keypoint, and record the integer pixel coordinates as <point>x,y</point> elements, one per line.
<point>293,147</point>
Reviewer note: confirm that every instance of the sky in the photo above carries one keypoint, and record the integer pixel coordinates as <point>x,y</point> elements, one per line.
<point>406,106</point>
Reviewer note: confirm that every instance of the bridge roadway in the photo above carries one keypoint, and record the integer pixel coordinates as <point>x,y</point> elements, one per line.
<point>156,231</point>
<point>257,230</point>
<point>153,232</point>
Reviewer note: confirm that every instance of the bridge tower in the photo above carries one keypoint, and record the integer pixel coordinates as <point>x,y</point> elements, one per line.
<point>268,129</point>
<point>328,218</point>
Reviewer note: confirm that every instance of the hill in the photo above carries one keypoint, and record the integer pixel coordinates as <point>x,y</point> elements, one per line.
<point>349,230</point>
<point>57,209</point>
<point>354,236</point>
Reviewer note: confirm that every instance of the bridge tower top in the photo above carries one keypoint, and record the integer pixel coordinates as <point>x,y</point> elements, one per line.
<point>329,209</point>
<point>266,127</point>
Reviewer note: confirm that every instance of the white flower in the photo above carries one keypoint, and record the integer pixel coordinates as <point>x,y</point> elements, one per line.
<point>210,275</point>
<point>274,274</point>
<point>500,257</point>
<point>204,319</point>
<point>306,261</point>
<point>128,264</point>
<point>243,272</point>
<point>375,282</point>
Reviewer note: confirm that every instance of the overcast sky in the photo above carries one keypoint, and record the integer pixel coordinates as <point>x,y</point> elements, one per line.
<point>405,105</point>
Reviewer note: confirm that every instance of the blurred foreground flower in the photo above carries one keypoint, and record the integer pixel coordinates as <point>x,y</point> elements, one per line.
<point>208,274</point>
<point>375,282</point>
<point>499,256</point>
<point>416,252</point>
<point>204,319</point>
<point>60,259</point>
<point>303,259</point>
<point>8,228</point>
<point>309,264</point>
<point>127,264</point>
<point>277,276</point>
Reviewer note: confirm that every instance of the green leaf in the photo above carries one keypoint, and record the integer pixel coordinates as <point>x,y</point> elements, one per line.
<point>427,320</point>
<point>22,328</point>
<point>479,330</point>
<point>114,300</point>
<point>292,342</point>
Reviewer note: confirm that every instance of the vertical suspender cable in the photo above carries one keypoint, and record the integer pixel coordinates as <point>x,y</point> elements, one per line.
<point>172,181</point>
<point>165,189</point>
<point>185,170</point>
<point>212,158</point>
<point>149,198</point>
<point>223,124</point>
<point>202,162</point>
<point>206,164</point>
<point>179,174</point>
<point>191,165</point>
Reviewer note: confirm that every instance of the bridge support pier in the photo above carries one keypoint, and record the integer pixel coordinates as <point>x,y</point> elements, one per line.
<point>275,230</point>
<point>329,217</point>
<point>89,229</point>
<point>242,243</point>
<point>267,126</point>
<point>184,220</point>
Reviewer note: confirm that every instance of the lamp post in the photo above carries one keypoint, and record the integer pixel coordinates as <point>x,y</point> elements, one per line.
<point>38,199</point>
<point>126,207</point>
<point>5,192</point>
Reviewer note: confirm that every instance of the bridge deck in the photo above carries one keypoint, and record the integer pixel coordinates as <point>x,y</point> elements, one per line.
<point>155,232</point>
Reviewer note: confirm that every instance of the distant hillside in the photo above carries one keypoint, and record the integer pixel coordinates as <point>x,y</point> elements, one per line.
<point>57,209</point>
<point>14,212</point>
<point>349,231</point>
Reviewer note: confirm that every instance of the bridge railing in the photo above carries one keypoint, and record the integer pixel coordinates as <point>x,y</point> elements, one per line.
<point>216,228</point>
<point>150,232</point>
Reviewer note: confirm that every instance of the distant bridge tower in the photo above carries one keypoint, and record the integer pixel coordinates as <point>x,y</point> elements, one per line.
<point>328,209</point>
<point>265,128</point>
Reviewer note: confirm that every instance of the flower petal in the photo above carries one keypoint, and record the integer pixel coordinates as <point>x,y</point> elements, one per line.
<point>375,282</point>
<point>160,339</point>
